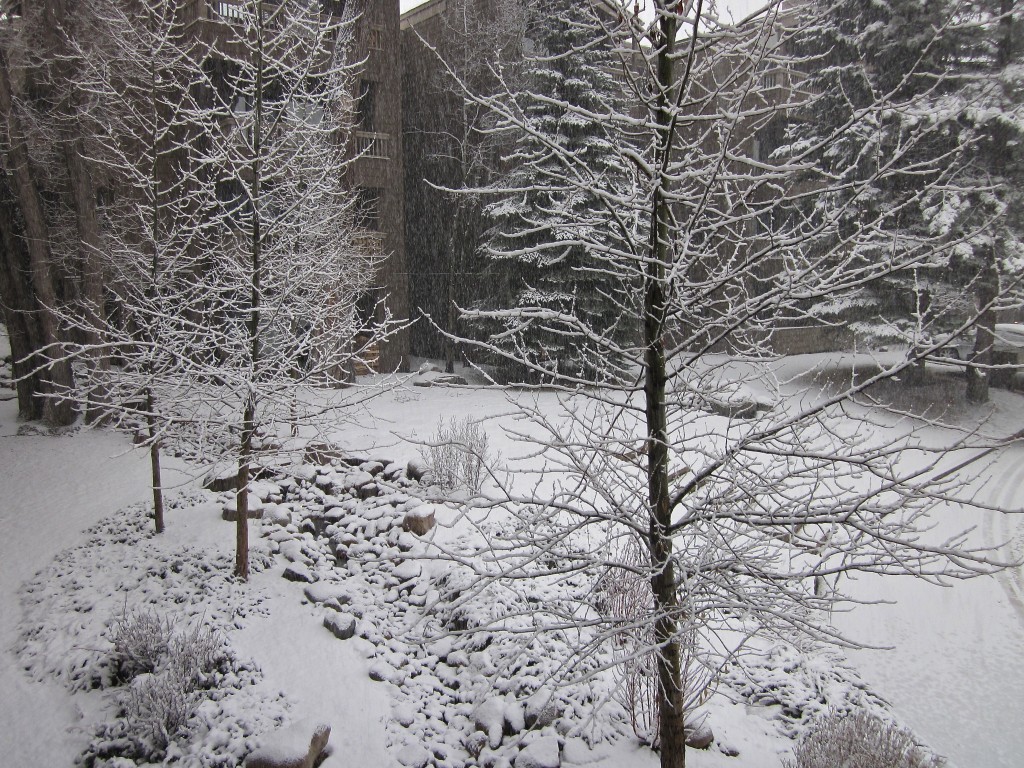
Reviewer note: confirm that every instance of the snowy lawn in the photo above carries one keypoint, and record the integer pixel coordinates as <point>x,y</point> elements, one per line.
<point>289,667</point>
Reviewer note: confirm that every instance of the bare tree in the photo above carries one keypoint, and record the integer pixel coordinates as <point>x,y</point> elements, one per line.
<point>289,267</point>
<point>728,517</point>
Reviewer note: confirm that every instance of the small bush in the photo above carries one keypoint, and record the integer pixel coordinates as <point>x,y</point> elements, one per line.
<point>457,455</point>
<point>158,708</point>
<point>859,740</point>
<point>166,671</point>
<point>141,640</point>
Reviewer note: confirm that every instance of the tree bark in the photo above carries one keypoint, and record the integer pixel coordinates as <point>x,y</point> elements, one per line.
<point>56,379</point>
<point>90,242</point>
<point>671,704</point>
<point>19,308</point>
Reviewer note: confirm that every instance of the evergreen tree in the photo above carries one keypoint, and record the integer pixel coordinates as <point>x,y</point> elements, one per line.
<point>933,61</point>
<point>548,229</point>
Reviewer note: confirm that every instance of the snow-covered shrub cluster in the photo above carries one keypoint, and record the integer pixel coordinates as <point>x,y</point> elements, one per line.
<point>146,623</point>
<point>457,455</point>
<point>859,740</point>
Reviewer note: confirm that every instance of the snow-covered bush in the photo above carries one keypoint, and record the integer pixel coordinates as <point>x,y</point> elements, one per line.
<point>141,640</point>
<point>157,709</point>
<point>859,740</point>
<point>166,671</point>
<point>457,454</point>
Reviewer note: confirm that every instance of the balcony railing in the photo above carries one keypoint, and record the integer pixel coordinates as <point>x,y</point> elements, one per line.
<point>371,144</point>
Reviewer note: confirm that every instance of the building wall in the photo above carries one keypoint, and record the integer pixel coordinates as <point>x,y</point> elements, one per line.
<point>378,43</point>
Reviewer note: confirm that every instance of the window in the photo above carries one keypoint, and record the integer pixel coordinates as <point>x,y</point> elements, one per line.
<point>375,38</point>
<point>367,110</point>
<point>368,208</point>
<point>229,10</point>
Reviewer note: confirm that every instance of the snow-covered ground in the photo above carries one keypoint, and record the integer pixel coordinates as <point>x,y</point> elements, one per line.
<point>954,674</point>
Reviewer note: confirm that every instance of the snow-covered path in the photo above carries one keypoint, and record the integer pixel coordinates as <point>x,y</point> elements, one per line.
<point>44,507</point>
<point>955,672</point>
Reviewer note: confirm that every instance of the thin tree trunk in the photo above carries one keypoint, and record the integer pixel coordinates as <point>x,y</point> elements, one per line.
<point>58,409</point>
<point>671,710</point>
<point>89,244</point>
<point>154,464</point>
<point>242,496</point>
<point>19,309</point>
<point>987,290</point>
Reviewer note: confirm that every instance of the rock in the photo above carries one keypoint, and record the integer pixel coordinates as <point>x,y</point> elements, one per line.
<point>323,591</point>
<point>419,520</point>
<point>292,550</point>
<point>489,717</point>
<point>276,514</point>
<point>416,469</point>
<point>221,478</point>
<point>296,746</point>
<point>541,710</point>
<point>404,714</point>
<point>373,467</point>
<point>728,749</point>
<point>230,510</point>
<point>699,734</point>
<point>342,625</point>
<point>368,491</point>
<point>298,572</point>
<point>380,672</point>
<point>438,379</point>
<point>429,367</point>
<point>542,753</point>
<point>407,570</point>
<point>515,719</point>
<point>413,756</point>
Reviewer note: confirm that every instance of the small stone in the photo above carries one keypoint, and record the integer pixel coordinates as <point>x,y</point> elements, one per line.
<point>380,672</point>
<point>277,514</point>
<point>419,520</point>
<point>413,756</point>
<point>298,572</point>
<point>699,734</point>
<point>296,746</point>
<point>407,570</point>
<point>542,753</point>
<point>404,714</point>
<point>341,625</point>
<point>325,591</point>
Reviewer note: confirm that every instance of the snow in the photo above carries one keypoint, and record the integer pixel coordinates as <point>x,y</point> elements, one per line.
<point>953,676</point>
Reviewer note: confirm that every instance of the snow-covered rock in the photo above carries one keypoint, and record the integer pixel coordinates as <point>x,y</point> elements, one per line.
<point>699,734</point>
<point>296,746</point>
<point>342,625</point>
<point>277,514</point>
<point>489,717</point>
<point>541,753</point>
<point>413,756</point>
<point>230,509</point>
<point>323,591</point>
<point>299,572</point>
<point>419,520</point>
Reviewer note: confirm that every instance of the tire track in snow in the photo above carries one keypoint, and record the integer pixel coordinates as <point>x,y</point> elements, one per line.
<point>999,532</point>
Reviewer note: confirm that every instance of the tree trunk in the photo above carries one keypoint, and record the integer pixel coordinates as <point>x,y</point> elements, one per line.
<point>987,292</point>
<point>671,704</point>
<point>988,282</point>
<point>19,309</point>
<point>242,497</point>
<point>89,244</point>
<point>56,378</point>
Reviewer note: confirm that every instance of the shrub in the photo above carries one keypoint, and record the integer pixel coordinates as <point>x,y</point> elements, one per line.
<point>457,455</point>
<point>141,640</point>
<point>859,740</point>
<point>158,708</point>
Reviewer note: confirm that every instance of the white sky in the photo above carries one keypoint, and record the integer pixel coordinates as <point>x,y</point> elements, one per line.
<point>738,7</point>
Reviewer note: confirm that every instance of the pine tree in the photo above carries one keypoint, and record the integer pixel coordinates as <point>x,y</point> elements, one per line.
<point>539,263</point>
<point>937,62</point>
